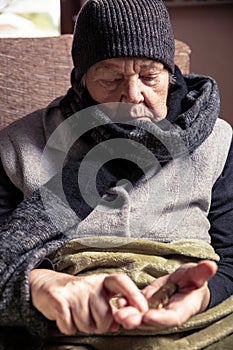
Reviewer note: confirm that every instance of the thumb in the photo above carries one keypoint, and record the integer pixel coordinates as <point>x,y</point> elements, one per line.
<point>192,276</point>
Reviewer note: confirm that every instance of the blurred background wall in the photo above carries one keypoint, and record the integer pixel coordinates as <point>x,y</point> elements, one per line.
<point>209,32</point>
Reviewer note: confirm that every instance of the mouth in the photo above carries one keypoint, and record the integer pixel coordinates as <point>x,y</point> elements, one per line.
<point>128,111</point>
<point>141,112</point>
<point>141,118</point>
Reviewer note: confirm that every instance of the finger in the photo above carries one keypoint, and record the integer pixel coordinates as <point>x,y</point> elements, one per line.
<point>114,326</point>
<point>65,321</point>
<point>165,318</point>
<point>82,316</point>
<point>194,275</point>
<point>101,312</point>
<point>161,319</point>
<point>204,271</point>
<point>154,286</point>
<point>120,283</point>
<point>121,302</point>
<point>180,308</point>
<point>129,317</point>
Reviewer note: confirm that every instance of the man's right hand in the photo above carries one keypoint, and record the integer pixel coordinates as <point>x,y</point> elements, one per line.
<point>81,303</point>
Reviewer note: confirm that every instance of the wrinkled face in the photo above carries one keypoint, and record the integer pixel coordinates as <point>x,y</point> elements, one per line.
<point>141,82</point>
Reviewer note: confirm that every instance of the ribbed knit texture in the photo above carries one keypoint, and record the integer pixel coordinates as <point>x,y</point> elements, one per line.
<point>122,28</point>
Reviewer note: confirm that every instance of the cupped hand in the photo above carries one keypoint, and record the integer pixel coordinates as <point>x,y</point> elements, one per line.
<point>82,302</point>
<point>191,298</point>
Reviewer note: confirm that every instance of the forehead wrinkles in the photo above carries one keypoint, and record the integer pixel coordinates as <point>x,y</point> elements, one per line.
<point>109,67</point>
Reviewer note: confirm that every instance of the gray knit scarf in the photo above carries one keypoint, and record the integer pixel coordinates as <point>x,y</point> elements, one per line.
<point>193,107</point>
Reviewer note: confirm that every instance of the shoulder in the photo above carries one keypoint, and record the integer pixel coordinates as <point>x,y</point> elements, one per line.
<point>22,144</point>
<point>222,136</point>
<point>31,127</point>
<point>27,125</point>
<point>223,127</point>
<point>222,146</point>
<point>211,156</point>
<point>219,141</point>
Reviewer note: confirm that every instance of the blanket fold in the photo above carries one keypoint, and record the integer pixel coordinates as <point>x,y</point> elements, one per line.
<point>143,261</point>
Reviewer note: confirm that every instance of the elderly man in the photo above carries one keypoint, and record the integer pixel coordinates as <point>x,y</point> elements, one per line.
<point>124,72</point>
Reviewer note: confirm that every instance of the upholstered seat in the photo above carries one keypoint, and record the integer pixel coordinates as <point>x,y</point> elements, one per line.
<point>34,71</point>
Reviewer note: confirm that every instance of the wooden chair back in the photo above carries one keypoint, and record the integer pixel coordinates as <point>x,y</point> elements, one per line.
<point>34,71</point>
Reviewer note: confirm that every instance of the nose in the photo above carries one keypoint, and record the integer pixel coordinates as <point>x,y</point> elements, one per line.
<point>131,91</point>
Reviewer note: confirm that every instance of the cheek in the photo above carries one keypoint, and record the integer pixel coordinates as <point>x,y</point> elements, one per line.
<point>99,93</point>
<point>156,100</point>
<point>94,90</point>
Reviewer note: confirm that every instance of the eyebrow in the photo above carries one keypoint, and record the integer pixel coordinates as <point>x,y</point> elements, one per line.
<point>149,65</point>
<point>153,65</point>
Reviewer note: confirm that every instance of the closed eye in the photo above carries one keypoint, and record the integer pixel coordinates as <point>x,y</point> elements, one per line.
<point>149,79</point>
<point>110,82</point>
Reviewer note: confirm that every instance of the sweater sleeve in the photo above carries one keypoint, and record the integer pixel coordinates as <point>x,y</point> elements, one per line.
<point>10,196</point>
<point>26,238</point>
<point>221,231</point>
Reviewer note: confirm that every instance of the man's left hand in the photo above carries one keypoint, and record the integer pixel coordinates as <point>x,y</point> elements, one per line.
<point>191,298</point>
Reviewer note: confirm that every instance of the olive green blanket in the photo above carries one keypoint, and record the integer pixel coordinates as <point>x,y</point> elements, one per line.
<point>143,261</point>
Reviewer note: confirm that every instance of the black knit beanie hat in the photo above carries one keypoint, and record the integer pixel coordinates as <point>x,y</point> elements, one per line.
<point>122,28</point>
